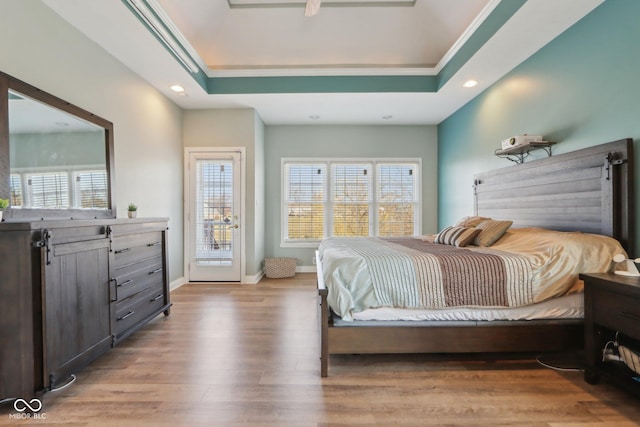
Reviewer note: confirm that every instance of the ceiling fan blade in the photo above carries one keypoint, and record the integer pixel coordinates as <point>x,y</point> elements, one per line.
<point>313,7</point>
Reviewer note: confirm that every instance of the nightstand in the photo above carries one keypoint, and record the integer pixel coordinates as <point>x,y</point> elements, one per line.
<point>611,304</point>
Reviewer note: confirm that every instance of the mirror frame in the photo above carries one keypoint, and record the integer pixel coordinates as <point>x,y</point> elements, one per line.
<point>7,83</point>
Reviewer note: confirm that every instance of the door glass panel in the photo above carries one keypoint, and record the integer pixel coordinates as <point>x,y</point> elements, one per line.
<point>214,212</point>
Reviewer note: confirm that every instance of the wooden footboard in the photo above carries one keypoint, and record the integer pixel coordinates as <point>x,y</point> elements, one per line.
<point>377,337</point>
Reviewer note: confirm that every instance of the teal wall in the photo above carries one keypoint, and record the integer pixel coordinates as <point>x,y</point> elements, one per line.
<point>344,142</point>
<point>580,90</point>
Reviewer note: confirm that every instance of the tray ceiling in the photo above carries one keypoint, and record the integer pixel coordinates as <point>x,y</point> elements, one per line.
<point>355,62</point>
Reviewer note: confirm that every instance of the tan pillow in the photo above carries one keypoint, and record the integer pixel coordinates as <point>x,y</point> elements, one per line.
<point>470,221</point>
<point>490,232</point>
<point>456,236</point>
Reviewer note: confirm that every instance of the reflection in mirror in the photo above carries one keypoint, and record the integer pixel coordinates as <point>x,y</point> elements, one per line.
<point>57,161</point>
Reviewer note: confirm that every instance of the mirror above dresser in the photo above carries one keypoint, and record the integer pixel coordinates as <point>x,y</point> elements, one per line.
<point>56,159</point>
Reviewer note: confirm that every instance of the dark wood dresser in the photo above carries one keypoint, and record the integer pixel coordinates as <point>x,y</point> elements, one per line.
<point>612,305</point>
<point>72,289</point>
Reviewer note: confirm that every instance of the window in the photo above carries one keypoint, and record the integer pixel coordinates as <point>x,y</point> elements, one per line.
<point>59,189</point>
<point>338,197</point>
<point>351,187</point>
<point>91,189</point>
<point>305,190</point>
<point>397,196</point>
<point>15,185</point>
<point>48,190</point>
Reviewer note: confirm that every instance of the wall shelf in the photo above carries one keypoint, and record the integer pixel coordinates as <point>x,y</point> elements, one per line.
<point>519,153</point>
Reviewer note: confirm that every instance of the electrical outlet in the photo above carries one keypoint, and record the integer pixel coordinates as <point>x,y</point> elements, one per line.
<point>313,260</point>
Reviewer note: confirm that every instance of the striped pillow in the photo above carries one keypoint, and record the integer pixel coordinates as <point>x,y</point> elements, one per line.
<point>456,236</point>
<point>490,232</point>
<point>470,221</point>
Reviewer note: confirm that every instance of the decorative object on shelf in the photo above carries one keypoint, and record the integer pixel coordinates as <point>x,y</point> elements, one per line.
<point>132,211</point>
<point>518,153</point>
<point>517,148</point>
<point>629,268</point>
<point>520,140</point>
<point>4,204</point>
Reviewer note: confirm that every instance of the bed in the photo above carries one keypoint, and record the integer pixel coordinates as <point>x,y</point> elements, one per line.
<point>585,194</point>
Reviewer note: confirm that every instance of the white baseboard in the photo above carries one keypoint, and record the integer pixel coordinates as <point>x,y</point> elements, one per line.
<point>252,280</point>
<point>177,283</point>
<point>249,280</point>
<point>299,269</point>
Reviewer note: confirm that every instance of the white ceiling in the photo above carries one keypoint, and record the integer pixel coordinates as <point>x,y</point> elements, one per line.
<point>342,39</point>
<point>337,37</point>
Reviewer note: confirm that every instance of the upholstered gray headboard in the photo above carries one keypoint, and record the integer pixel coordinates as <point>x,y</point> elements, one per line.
<point>589,190</point>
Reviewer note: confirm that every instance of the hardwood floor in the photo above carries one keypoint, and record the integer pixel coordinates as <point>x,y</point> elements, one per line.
<point>247,355</point>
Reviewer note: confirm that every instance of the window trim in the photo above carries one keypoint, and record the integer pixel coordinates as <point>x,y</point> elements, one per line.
<point>373,163</point>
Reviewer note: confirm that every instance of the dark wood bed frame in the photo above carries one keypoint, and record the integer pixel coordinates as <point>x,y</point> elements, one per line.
<point>589,190</point>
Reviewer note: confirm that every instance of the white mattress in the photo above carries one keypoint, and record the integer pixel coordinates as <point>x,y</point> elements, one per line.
<point>565,307</point>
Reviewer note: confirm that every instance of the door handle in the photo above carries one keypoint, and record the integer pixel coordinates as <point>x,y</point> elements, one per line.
<point>234,226</point>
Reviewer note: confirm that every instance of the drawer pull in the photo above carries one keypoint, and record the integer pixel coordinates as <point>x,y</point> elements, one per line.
<point>157,270</point>
<point>156,298</point>
<point>123,250</point>
<point>630,315</point>
<point>126,315</point>
<point>154,244</point>
<point>126,282</point>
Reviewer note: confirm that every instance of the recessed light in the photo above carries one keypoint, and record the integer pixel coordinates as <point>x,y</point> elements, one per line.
<point>177,88</point>
<point>387,117</point>
<point>470,83</point>
<point>314,117</point>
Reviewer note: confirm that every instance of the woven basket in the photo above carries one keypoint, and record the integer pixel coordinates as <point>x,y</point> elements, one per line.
<point>277,268</point>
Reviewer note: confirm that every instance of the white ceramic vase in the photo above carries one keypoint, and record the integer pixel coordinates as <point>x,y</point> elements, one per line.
<point>132,214</point>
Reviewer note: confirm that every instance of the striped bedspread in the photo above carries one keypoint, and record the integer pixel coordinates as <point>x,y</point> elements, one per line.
<point>411,273</point>
<point>433,275</point>
<point>526,267</point>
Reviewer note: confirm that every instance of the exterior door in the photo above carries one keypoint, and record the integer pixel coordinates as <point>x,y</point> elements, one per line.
<point>214,216</point>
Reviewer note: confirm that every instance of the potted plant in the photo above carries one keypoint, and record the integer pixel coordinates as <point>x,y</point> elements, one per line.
<point>4,203</point>
<point>132,211</point>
